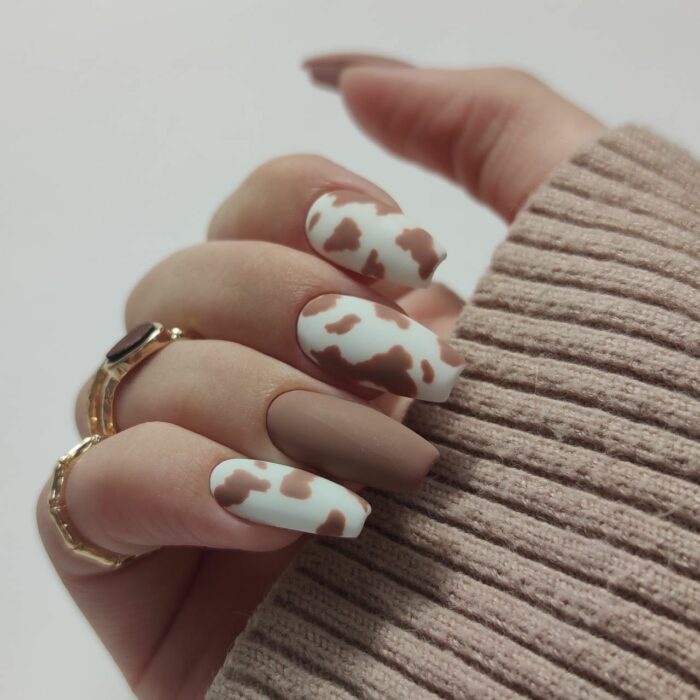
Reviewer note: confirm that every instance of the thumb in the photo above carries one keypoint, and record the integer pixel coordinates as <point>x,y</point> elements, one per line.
<point>497,132</point>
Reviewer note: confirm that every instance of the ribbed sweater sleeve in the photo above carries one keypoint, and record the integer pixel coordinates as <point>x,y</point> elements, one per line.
<point>554,552</point>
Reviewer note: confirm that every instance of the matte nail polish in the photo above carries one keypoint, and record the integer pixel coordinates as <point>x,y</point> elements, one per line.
<point>378,347</point>
<point>349,440</point>
<point>282,496</point>
<point>326,70</point>
<point>374,238</point>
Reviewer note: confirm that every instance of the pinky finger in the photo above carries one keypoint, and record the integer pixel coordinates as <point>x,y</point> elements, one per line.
<point>157,485</point>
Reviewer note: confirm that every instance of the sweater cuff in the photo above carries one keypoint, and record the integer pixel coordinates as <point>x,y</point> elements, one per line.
<point>554,552</point>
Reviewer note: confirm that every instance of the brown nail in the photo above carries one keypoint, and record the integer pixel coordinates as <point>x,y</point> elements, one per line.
<point>326,70</point>
<point>349,440</point>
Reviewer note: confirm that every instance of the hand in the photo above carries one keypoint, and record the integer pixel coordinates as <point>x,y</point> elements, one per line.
<point>263,382</point>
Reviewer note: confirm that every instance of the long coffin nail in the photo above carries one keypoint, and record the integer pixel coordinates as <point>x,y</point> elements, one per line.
<point>373,238</point>
<point>326,69</point>
<point>378,347</point>
<point>282,496</point>
<point>349,440</point>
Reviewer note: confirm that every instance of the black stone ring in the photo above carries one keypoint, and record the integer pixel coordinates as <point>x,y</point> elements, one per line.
<point>130,351</point>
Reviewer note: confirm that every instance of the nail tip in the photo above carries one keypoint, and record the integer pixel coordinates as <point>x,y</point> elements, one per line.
<point>361,526</point>
<point>322,74</point>
<point>443,395</point>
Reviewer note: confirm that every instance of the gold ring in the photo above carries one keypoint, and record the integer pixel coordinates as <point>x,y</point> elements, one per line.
<point>59,511</point>
<point>130,351</point>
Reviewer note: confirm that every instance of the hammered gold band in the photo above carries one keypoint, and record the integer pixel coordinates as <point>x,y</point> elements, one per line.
<point>129,352</point>
<point>59,511</point>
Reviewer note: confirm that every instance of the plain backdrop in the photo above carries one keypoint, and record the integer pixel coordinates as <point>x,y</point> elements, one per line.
<point>123,125</point>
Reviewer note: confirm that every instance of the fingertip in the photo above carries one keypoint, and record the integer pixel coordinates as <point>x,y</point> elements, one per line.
<point>326,69</point>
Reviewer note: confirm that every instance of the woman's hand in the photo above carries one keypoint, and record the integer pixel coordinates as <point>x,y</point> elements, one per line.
<point>295,301</point>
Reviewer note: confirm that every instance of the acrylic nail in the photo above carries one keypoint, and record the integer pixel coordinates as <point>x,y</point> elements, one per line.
<point>285,497</point>
<point>326,69</point>
<point>374,238</point>
<point>349,440</point>
<point>378,347</point>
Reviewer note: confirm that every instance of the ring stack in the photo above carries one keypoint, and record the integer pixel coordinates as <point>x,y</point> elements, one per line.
<point>130,351</point>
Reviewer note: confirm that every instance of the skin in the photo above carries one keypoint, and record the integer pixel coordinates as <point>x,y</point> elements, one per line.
<point>169,618</point>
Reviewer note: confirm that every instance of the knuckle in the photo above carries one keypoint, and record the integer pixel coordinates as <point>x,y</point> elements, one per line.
<point>517,78</point>
<point>153,432</point>
<point>500,113</point>
<point>285,166</point>
<point>147,294</point>
<point>262,183</point>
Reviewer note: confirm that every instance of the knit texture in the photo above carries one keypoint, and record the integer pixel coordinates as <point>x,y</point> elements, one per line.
<point>554,552</point>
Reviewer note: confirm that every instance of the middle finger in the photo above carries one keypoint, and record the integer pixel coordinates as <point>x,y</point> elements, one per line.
<point>299,309</point>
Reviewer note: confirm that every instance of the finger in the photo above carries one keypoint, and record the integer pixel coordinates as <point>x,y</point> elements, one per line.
<point>299,309</point>
<point>157,485</point>
<point>259,406</point>
<point>497,132</point>
<point>311,204</point>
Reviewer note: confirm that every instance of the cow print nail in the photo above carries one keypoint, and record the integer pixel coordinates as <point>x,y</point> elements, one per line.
<point>286,497</point>
<point>376,346</point>
<point>373,238</point>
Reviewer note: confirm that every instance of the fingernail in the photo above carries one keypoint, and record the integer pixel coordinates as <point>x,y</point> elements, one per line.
<point>349,440</point>
<point>378,347</point>
<point>282,496</point>
<point>374,238</point>
<point>326,69</point>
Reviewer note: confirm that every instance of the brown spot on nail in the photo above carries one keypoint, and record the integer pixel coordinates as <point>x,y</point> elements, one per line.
<point>372,266</point>
<point>333,525</point>
<point>320,304</point>
<point>237,487</point>
<point>346,324</point>
<point>422,248</point>
<point>297,484</point>
<point>260,464</point>
<point>385,369</point>
<point>313,221</point>
<point>428,371</point>
<point>345,237</point>
<point>361,501</point>
<point>449,355</point>
<point>386,313</point>
<point>349,197</point>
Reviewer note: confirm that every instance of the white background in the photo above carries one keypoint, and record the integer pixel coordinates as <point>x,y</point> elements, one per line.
<point>122,126</point>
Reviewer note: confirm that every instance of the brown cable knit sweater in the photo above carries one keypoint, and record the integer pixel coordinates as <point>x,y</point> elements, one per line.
<point>555,550</point>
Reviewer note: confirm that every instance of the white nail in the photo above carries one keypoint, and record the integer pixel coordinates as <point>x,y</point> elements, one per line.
<point>282,496</point>
<point>378,347</point>
<point>362,234</point>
